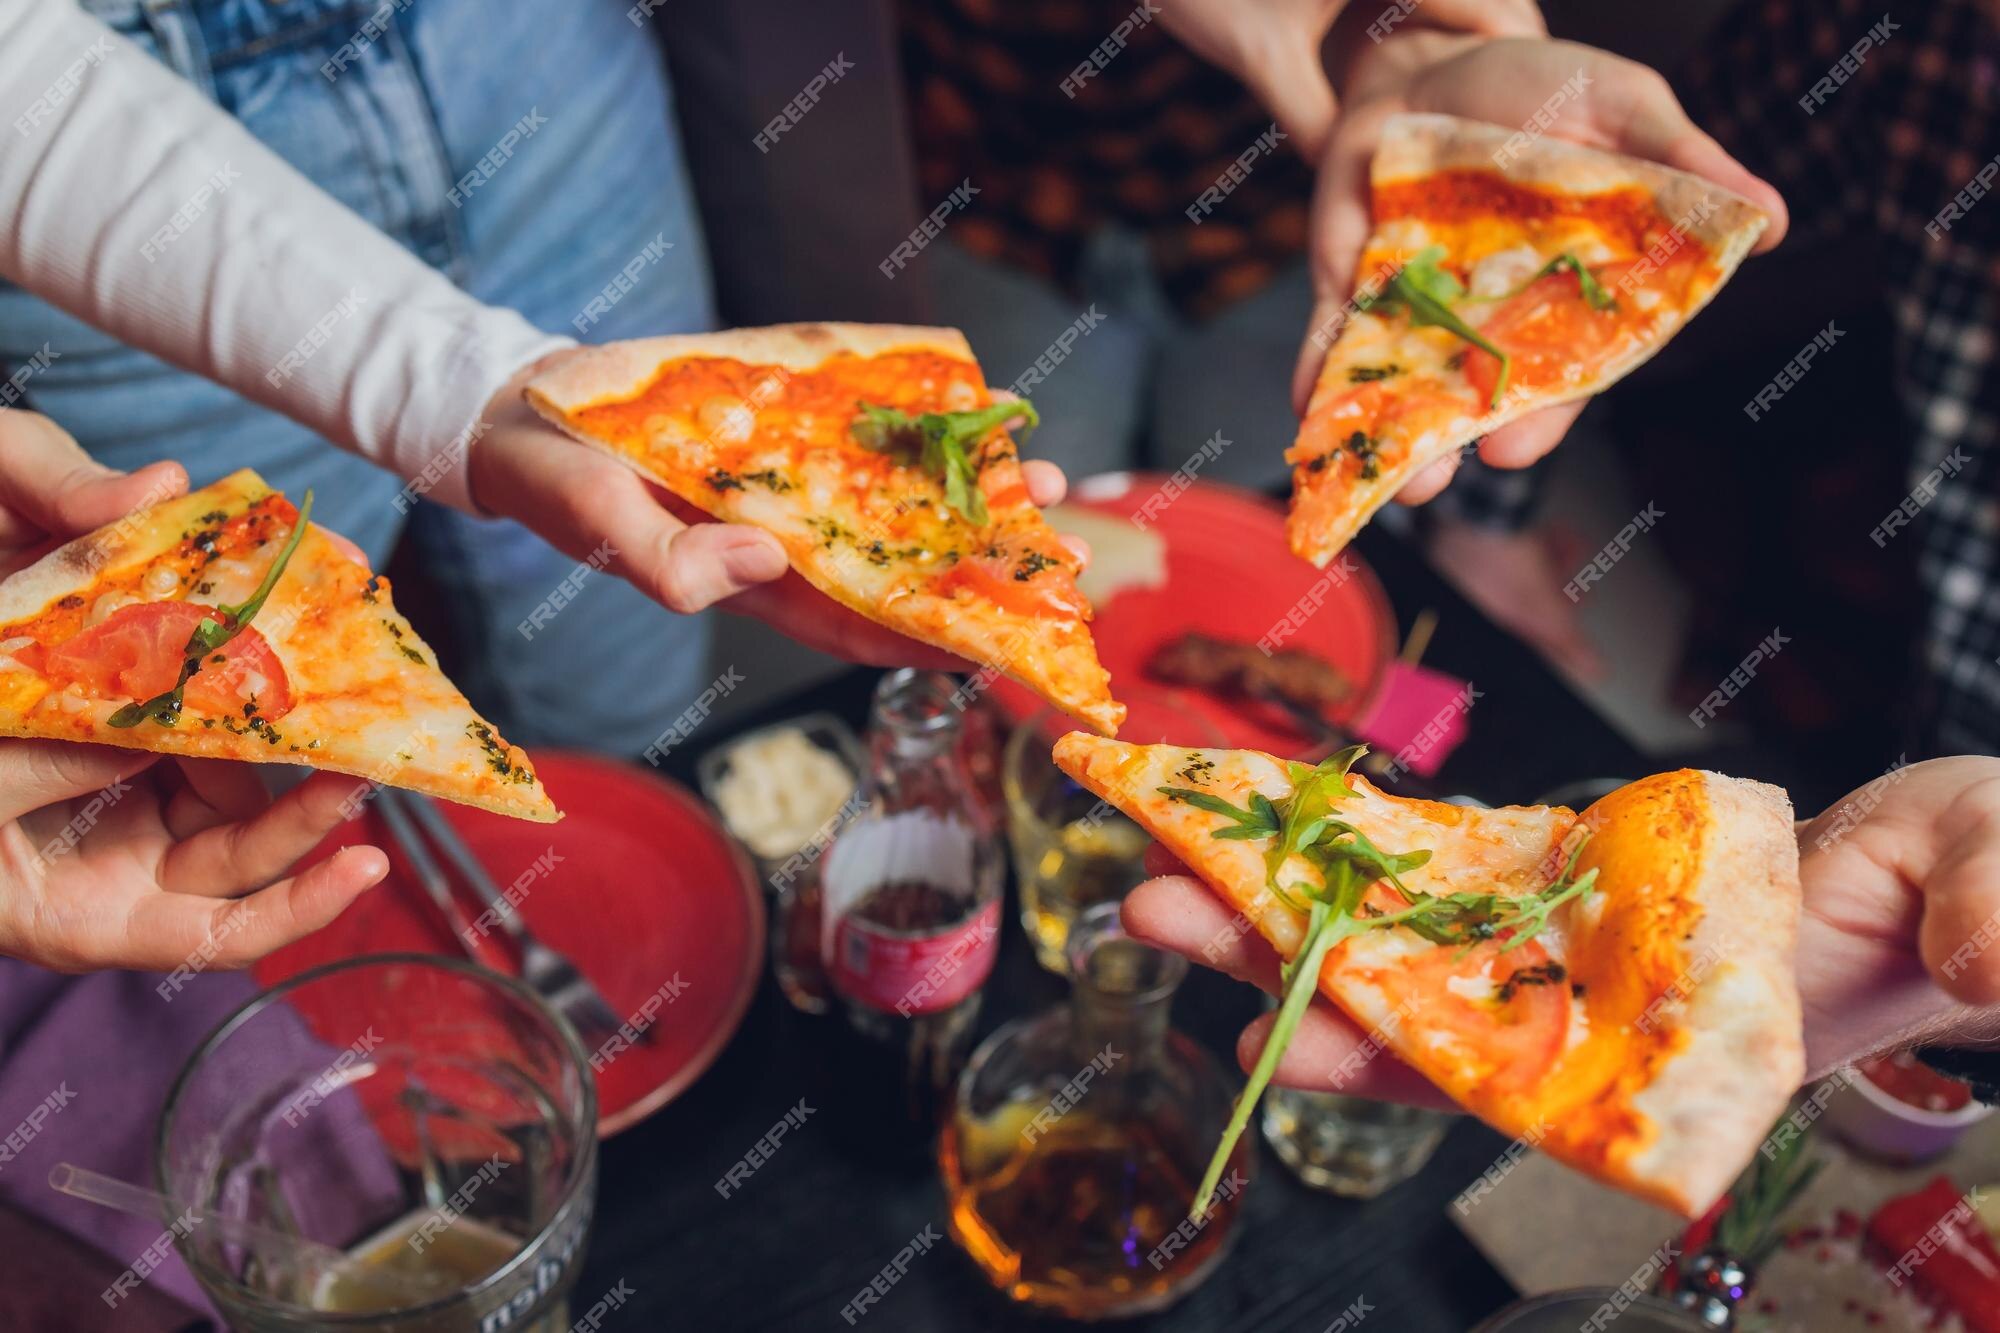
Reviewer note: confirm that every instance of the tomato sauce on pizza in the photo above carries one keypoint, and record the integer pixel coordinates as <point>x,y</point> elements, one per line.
<point>1498,279</point>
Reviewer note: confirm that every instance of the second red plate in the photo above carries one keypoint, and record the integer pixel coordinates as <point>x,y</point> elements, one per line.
<point>1231,575</point>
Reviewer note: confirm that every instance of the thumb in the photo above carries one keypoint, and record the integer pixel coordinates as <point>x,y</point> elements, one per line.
<point>703,563</point>
<point>685,567</point>
<point>50,488</point>
<point>38,773</point>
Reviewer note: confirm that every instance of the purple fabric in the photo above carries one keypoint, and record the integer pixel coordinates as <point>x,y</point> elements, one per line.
<point>93,1058</point>
<point>107,1046</point>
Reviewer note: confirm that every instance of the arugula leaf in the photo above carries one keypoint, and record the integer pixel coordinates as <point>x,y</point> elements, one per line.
<point>210,634</point>
<point>1259,821</point>
<point>940,443</point>
<point>1349,862</point>
<point>1467,918</point>
<point>1427,291</point>
<point>1593,291</point>
<point>1301,983</point>
<point>1528,915</point>
<point>1310,806</point>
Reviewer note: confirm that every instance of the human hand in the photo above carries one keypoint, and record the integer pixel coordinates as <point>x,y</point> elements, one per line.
<point>582,501</point>
<point>116,858</point>
<point>1275,47</point>
<point>1620,105</point>
<point>1899,940</point>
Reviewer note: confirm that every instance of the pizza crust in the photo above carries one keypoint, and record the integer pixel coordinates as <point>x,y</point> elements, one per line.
<point>133,540</point>
<point>1718,1097</point>
<point>1421,145</point>
<point>617,371</point>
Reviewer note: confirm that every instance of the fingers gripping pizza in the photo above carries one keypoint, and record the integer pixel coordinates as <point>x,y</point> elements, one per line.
<point>1500,279</point>
<point>224,624</point>
<point>879,459</point>
<point>1614,987</point>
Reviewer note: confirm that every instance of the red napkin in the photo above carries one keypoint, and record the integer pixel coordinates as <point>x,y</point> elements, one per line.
<point>1932,1237</point>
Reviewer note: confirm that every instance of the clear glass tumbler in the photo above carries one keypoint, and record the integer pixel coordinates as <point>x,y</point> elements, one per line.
<point>1350,1145</point>
<point>432,1119</point>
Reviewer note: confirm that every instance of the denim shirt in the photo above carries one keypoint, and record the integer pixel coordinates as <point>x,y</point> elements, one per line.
<point>526,149</point>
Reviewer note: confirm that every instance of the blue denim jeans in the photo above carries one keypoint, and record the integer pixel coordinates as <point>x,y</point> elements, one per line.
<point>387,106</point>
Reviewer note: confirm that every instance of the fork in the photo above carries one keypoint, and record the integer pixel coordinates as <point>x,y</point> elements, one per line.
<point>547,971</point>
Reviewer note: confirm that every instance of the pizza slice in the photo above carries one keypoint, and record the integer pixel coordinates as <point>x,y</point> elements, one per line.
<point>879,459</point>
<point>223,624</point>
<point>1614,987</point>
<point>1501,278</point>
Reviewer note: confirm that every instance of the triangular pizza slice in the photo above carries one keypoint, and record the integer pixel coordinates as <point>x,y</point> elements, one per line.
<point>218,625</point>
<point>879,459</point>
<point>1504,275</point>
<point>1614,987</point>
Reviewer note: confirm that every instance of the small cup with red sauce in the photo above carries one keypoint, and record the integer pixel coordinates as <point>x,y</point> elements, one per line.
<point>1897,1109</point>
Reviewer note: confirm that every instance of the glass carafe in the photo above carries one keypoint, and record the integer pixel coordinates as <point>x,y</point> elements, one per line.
<point>1077,1138</point>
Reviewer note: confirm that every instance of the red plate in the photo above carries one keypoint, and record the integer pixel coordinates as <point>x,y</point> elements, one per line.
<point>1230,574</point>
<point>647,888</point>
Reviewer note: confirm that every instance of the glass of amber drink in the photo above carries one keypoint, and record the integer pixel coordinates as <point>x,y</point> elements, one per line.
<point>433,1120</point>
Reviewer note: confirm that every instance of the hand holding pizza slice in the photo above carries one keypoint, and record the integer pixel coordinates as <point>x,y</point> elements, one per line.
<point>222,624</point>
<point>111,858</point>
<point>879,460</point>
<point>1506,274</point>
<point>1616,987</point>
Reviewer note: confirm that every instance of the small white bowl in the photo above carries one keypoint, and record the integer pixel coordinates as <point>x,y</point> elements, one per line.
<point>1892,1130</point>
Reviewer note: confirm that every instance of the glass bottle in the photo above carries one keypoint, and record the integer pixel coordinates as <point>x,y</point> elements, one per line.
<point>910,893</point>
<point>1078,1136</point>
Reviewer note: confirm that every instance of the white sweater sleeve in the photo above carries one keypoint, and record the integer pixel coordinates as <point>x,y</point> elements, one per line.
<point>263,283</point>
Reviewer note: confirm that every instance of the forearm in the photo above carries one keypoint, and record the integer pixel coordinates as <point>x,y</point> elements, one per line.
<point>143,209</point>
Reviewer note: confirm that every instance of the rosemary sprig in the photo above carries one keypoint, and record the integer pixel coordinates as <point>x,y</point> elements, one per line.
<point>211,633</point>
<point>1748,1227</point>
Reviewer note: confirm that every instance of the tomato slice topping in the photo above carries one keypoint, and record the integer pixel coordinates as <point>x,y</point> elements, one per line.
<point>1520,1022</point>
<point>1549,330</point>
<point>1046,591</point>
<point>135,653</point>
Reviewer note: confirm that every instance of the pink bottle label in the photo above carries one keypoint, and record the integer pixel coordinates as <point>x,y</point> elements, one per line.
<point>920,974</point>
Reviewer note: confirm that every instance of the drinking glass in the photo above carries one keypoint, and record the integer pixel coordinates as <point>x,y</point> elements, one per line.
<point>1072,850</point>
<point>433,1119</point>
<point>1350,1146</point>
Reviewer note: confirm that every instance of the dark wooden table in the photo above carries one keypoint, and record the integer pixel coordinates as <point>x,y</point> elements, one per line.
<point>820,1218</point>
